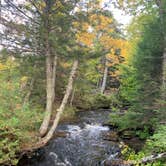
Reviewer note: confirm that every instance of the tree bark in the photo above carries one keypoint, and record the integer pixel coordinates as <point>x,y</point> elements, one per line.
<point>147,159</point>
<point>63,104</point>
<point>49,98</point>
<point>161,4</point>
<point>26,99</point>
<point>72,97</point>
<point>49,69</point>
<point>153,157</point>
<point>164,74</point>
<point>60,110</point>
<point>31,86</point>
<point>104,82</point>
<point>51,66</point>
<point>54,76</point>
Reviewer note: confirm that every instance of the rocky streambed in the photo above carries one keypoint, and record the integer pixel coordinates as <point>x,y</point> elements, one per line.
<point>86,142</point>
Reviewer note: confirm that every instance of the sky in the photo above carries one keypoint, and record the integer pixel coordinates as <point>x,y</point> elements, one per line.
<point>119,15</point>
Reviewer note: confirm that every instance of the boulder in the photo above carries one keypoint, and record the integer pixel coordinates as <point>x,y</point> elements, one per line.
<point>111,136</point>
<point>61,134</point>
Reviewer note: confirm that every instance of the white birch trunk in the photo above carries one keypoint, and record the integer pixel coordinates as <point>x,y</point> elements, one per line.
<point>104,82</point>
<point>63,104</point>
<point>50,69</point>
<point>54,77</point>
<point>72,97</point>
<point>161,4</point>
<point>164,74</point>
<point>49,91</point>
<point>153,157</point>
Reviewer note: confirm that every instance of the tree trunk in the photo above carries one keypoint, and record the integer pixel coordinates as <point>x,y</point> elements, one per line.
<point>50,67</point>
<point>63,104</point>
<point>27,96</point>
<point>104,82</point>
<point>54,76</point>
<point>72,97</point>
<point>153,157</point>
<point>161,4</point>
<point>50,92</point>
<point>26,99</point>
<point>164,74</point>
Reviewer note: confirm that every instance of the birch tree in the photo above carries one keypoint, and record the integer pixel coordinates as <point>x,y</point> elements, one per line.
<point>40,28</point>
<point>60,110</point>
<point>105,75</point>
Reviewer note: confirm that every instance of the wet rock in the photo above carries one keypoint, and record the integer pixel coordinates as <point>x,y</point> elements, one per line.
<point>128,134</point>
<point>62,134</point>
<point>111,126</point>
<point>111,136</point>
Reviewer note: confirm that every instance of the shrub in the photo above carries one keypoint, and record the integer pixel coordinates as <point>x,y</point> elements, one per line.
<point>157,142</point>
<point>126,121</point>
<point>17,122</point>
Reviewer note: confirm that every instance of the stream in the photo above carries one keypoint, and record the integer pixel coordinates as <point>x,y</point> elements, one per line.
<point>83,146</point>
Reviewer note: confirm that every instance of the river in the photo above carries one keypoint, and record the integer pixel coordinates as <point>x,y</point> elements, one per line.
<point>83,146</point>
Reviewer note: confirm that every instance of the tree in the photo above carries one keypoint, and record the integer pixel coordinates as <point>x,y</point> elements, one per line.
<point>142,78</point>
<point>48,25</point>
<point>101,34</point>
<point>62,106</point>
<point>154,6</point>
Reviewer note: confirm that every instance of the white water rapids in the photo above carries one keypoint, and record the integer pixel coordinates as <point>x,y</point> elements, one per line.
<point>83,146</point>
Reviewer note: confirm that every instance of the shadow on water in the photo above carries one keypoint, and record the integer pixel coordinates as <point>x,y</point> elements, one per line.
<point>83,146</point>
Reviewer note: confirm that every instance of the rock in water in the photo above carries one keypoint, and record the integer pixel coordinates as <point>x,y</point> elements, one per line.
<point>111,136</point>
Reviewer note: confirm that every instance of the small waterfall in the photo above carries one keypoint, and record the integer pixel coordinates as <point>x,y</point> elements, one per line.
<point>90,131</point>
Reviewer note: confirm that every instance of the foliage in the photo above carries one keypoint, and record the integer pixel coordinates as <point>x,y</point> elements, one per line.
<point>129,85</point>
<point>65,29</point>
<point>16,121</point>
<point>140,81</point>
<point>125,121</point>
<point>101,35</point>
<point>101,101</point>
<point>157,142</point>
<point>8,151</point>
<point>140,88</point>
<point>69,113</point>
<point>98,100</point>
<point>130,155</point>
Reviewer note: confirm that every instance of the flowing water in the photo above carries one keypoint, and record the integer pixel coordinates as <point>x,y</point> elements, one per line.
<point>83,146</point>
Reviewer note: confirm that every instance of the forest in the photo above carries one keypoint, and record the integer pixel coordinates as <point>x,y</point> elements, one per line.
<point>78,88</point>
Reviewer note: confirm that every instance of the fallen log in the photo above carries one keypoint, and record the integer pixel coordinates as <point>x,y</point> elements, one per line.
<point>153,157</point>
<point>147,159</point>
